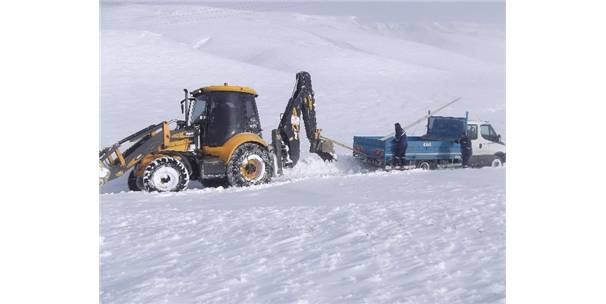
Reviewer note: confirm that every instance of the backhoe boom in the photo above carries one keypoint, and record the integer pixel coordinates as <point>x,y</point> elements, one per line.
<point>286,140</point>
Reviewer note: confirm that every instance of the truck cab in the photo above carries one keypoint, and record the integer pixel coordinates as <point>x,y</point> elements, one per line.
<point>487,147</point>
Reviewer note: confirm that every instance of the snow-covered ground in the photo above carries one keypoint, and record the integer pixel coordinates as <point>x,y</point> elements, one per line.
<point>322,233</point>
<point>398,237</point>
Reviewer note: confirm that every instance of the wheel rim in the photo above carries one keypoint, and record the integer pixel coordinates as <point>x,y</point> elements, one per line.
<point>496,162</point>
<point>165,178</point>
<point>252,168</point>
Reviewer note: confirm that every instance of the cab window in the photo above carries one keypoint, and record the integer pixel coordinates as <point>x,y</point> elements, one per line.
<point>488,133</point>
<point>251,121</point>
<point>199,108</point>
<point>472,132</point>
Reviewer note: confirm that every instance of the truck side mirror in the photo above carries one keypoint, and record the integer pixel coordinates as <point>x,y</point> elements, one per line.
<point>499,137</point>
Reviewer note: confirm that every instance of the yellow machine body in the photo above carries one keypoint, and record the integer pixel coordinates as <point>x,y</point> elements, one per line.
<point>225,88</point>
<point>220,137</point>
<point>225,152</point>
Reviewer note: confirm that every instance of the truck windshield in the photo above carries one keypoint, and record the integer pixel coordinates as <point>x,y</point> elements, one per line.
<point>198,108</point>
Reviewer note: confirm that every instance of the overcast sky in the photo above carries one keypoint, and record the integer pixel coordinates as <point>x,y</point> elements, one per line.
<point>253,1</point>
<point>473,11</point>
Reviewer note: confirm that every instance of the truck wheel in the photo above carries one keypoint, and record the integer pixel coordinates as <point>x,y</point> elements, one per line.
<point>135,183</point>
<point>424,165</point>
<point>249,165</point>
<point>497,162</point>
<point>165,174</point>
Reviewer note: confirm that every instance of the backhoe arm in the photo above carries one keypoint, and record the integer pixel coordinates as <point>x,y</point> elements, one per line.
<point>286,140</point>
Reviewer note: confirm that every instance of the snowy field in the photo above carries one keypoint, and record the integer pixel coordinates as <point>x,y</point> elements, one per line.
<point>322,233</point>
<point>398,237</point>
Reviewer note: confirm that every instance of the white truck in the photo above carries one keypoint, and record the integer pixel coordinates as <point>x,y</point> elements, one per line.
<point>487,147</point>
<point>440,147</point>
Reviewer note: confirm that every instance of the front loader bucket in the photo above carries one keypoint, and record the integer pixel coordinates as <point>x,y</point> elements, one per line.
<point>114,163</point>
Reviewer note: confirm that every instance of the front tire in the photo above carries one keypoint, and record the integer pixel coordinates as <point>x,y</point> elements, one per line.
<point>165,174</point>
<point>135,183</point>
<point>250,164</point>
<point>497,162</point>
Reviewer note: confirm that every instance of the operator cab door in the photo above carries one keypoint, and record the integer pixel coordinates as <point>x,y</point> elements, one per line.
<point>229,113</point>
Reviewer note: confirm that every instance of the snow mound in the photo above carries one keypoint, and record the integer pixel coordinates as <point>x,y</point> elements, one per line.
<point>314,166</point>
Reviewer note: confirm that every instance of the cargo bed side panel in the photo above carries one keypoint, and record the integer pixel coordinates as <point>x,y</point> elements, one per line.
<point>419,148</point>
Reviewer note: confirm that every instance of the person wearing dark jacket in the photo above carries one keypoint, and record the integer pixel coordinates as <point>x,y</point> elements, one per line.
<point>400,145</point>
<point>465,149</point>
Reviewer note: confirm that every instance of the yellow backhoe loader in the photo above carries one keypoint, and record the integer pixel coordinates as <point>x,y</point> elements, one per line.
<point>219,138</point>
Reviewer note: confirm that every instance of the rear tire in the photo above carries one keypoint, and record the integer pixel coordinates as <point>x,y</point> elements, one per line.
<point>250,164</point>
<point>165,174</point>
<point>424,165</point>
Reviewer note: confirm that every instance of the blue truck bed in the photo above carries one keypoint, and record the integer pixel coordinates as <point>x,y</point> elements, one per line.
<point>439,147</point>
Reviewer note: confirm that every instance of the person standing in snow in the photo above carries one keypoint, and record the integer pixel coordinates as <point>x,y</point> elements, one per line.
<point>465,149</point>
<point>400,145</point>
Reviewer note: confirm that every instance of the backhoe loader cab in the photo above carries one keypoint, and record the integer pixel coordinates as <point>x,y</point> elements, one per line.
<point>219,138</point>
<point>222,112</point>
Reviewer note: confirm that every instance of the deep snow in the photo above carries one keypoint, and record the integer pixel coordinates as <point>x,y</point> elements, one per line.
<point>397,237</point>
<point>322,233</point>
